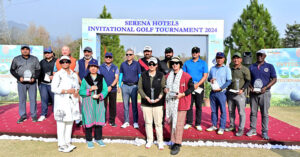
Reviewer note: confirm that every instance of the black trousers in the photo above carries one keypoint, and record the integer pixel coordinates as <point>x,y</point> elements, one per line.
<point>112,98</point>
<point>97,133</point>
<point>198,99</point>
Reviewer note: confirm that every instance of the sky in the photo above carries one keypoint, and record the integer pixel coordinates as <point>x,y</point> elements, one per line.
<point>61,17</point>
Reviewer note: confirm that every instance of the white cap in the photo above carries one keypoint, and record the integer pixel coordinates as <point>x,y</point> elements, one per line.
<point>153,59</point>
<point>147,48</point>
<point>65,57</point>
<point>261,51</point>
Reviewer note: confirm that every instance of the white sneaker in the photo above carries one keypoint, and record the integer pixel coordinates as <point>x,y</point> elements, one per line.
<point>125,125</point>
<point>212,128</point>
<point>135,125</point>
<point>187,126</point>
<point>71,146</point>
<point>64,149</point>
<point>42,118</point>
<point>148,145</point>
<point>161,146</point>
<point>199,128</point>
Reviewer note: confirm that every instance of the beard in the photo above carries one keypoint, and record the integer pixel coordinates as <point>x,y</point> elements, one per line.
<point>87,57</point>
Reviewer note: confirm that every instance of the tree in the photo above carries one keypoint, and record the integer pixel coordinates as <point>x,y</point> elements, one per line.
<point>253,31</point>
<point>111,43</point>
<point>292,36</point>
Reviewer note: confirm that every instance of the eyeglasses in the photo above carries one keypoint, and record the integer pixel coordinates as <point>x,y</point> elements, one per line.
<point>152,64</point>
<point>64,62</point>
<point>174,63</point>
<point>87,51</point>
<point>129,54</point>
<point>195,52</point>
<point>47,52</point>
<point>108,57</point>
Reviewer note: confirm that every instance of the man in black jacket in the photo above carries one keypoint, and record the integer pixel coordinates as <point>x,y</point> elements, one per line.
<point>26,69</point>
<point>164,63</point>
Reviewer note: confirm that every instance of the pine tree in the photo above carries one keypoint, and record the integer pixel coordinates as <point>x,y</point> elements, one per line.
<point>292,36</point>
<point>111,43</point>
<point>253,31</point>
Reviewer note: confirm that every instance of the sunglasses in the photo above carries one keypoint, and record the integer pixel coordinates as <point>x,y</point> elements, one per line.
<point>109,57</point>
<point>47,52</point>
<point>152,64</point>
<point>195,52</point>
<point>64,61</point>
<point>174,63</point>
<point>129,54</point>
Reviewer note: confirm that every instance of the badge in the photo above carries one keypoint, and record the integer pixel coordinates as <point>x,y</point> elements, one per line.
<point>266,70</point>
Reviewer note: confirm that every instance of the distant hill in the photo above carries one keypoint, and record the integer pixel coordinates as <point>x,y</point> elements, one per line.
<point>13,24</point>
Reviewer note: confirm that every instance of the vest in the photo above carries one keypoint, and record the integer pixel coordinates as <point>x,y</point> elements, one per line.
<point>156,84</point>
<point>72,65</point>
<point>109,76</point>
<point>82,70</point>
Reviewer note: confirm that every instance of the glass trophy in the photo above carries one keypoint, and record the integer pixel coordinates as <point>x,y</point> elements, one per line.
<point>27,76</point>
<point>95,93</point>
<point>258,84</point>
<point>237,88</point>
<point>152,95</point>
<point>47,77</point>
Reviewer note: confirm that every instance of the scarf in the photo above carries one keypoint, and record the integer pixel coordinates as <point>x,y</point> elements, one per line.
<point>173,84</point>
<point>90,81</point>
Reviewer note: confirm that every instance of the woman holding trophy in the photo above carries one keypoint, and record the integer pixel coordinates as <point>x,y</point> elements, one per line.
<point>93,90</point>
<point>178,100</point>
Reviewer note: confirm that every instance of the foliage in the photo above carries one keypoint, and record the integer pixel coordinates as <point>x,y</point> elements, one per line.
<point>292,36</point>
<point>275,101</point>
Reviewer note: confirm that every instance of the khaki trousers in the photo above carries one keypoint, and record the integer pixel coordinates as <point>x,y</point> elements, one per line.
<point>176,136</point>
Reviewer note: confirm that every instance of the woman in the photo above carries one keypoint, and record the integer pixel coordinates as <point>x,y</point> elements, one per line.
<point>93,90</point>
<point>178,100</point>
<point>151,85</point>
<point>66,109</point>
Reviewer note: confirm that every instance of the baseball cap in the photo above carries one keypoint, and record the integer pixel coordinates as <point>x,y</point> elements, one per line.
<point>89,49</point>
<point>25,46</point>
<point>48,50</point>
<point>220,54</point>
<point>147,48</point>
<point>261,51</point>
<point>65,57</point>
<point>195,49</point>
<point>168,50</point>
<point>94,63</point>
<point>153,59</point>
<point>175,59</point>
<point>108,54</point>
<point>237,55</point>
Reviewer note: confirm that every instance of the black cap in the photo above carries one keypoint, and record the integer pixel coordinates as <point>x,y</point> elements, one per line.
<point>89,49</point>
<point>25,46</point>
<point>168,50</point>
<point>195,49</point>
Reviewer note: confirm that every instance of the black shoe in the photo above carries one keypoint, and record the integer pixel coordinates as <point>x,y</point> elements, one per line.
<point>79,124</point>
<point>113,124</point>
<point>21,120</point>
<point>175,150</point>
<point>34,119</point>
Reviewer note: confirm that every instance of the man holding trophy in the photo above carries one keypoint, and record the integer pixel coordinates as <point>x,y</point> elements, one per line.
<point>26,69</point>
<point>263,77</point>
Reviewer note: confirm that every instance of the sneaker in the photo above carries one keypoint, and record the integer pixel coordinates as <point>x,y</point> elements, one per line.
<point>175,149</point>
<point>161,146</point>
<point>199,128</point>
<point>239,133</point>
<point>212,128</point>
<point>90,144</point>
<point>187,126</point>
<point>113,124</point>
<point>135,125</point>
<point>42,118</point>
<point>34,119</point>
<point>125,125</point>
<point>148,145</point>
<point>100,143</point>
<point>220,131</point>
<point>265,136</point>
<point>21,120</point>
<point>251,132</point>
<point>231,128</point>
<point>71,146</point>
<point>64,149</point>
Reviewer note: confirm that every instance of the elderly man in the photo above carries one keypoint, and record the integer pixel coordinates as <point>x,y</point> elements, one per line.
<point>26,69</point>
<point>65,51</point>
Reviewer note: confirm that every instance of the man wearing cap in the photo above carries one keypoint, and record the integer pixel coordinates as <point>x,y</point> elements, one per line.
<point>26,69</point>
<point>220,78</point>
<point>46,76</point>
<point>263,77</point>
<point>65,86</point>
<point>198,69</point>
<point>144,61</point>
<point>164,63</point>
<point>236,97</point>
<point>111,76</point>
<point>130,72</point>
<point>65,51</point>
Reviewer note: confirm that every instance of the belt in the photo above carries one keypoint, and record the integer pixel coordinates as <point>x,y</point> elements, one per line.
<point>131,84</point>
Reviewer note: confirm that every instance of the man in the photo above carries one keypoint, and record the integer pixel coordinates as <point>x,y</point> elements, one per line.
<point>130,71</point>
<point>46,76</point>
<point>198,69</point>
<point>26,69</point>
<point>65,51</point>
<point>220,79</point>
<point>144,61</point>
<point>164,63</point>
<point>111,76</point>
<point>263,77</point>
<point>82,64</point>
<point>235,95</point>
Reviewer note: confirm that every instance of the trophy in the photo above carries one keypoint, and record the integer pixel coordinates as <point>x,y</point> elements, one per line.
<point>237,84</point>
<point>258,84</point>
<point>47,77</point>
<point>27,76</point>
<point>95,93</point>
<point>152,95</point>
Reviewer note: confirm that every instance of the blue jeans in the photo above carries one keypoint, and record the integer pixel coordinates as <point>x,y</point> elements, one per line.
<point>130,92</point>
<point>218,100</point>
<point>45,92</point>
<point>22,92</point>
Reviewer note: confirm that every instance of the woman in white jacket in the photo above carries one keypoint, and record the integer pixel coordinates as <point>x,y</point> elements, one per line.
<point>65,86</point>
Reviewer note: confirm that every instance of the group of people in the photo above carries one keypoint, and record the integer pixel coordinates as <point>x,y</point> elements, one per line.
<point>168,90</point>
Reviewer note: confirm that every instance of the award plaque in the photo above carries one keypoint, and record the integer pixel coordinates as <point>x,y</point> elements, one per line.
<point>95,94</point>
<point>27,76</point>
<point>258,84</point>
<point>47,77</point>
